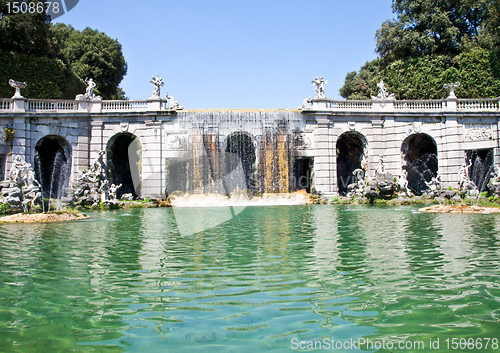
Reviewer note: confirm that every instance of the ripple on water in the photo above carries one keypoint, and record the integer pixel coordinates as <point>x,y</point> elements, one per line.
<point>128,280</point>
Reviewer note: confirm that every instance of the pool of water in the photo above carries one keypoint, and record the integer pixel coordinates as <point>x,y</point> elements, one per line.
<point>273,279</point>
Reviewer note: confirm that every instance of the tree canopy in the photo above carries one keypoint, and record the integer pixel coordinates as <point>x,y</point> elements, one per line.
<point>92,54</point>
<point>431,43</point>
<point>31,40</point>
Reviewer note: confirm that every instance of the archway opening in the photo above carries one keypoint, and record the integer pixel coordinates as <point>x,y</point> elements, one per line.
<point>52,165</point>
<point>241,145</point>
<point>481,165</point>
<point>302,170</point>
<point>350,156</point>
<point>420,161</point>
<point>124,164</point>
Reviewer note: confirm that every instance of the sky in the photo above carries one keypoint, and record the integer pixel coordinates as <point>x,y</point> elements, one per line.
<point>238,54</point>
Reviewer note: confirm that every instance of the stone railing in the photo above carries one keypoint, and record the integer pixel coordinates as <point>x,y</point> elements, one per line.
<point>429,105</point>
<point>478,104</point>
<point>121,105</point>
<point>5,104</point>
<point>41,106</point>
<point>349,104</point>
<point>406,106</point>
<point>50,105</point>
<point>46,106</point>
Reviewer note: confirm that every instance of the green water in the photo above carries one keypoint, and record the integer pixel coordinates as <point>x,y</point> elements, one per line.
<point>271,279</point>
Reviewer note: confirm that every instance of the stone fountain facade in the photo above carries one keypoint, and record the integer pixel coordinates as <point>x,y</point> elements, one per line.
<point>318,137</point>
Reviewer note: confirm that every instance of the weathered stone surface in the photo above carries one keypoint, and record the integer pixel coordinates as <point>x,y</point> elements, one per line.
<point>13,200</point>
<point>13,192</point>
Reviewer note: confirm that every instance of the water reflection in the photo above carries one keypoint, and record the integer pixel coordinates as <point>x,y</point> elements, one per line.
<point>127,280</point>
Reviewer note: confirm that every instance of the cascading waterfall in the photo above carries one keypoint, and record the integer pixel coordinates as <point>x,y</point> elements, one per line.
<point>220,142</point>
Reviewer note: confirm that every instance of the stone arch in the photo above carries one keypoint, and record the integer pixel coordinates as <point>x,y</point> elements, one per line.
<point>351,152</point>
<point>124,162</point>
<point>241,144</point>
<point>419,159</point>
<point>53,165</point>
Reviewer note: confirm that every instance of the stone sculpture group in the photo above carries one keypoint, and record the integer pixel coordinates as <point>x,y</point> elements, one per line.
<point>92,185</point>
<point>21,189</point>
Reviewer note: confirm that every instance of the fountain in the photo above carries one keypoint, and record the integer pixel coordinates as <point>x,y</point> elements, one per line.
<point>419,161</point>
<point>481,166</point>
<point>124,164</point>
<point>52,168</point>
<point>351,156</point>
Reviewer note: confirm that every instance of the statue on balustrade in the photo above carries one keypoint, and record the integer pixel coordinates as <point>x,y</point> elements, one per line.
<point>319,82</point>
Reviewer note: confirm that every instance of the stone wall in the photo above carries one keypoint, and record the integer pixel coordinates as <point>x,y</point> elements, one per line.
<point>167,134</point>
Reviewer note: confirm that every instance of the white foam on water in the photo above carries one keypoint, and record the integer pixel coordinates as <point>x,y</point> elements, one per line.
<point>239,201</point>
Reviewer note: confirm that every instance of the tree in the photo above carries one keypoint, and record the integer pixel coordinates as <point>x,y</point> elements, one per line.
<point>24,33</point>
<point>362,85</point>
<point>93,54</point>
<point>432,43</point>
<point>425,27</point>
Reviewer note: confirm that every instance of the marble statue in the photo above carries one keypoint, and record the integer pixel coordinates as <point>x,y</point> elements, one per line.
<point>29,177</point>
<point>435,183</point>
<point>89,92</point>
<point>305,104</point>
<point>172,103</point>
<point>98,169</point>
<point>380,169</point>
<point>382,92</point>
<point>113,189</point>
<point>18,86</point>
<point>403,182</point>
<point>18,169</point>
<point>319,82</point>
<point>157,82</point>
<point>463,175</point>
<point>359,174</point>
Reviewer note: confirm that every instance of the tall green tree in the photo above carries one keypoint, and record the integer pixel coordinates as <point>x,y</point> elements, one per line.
<point>425,27</point>
<point>93,54</point>
<point>432,42</point>
<point>24,33</point>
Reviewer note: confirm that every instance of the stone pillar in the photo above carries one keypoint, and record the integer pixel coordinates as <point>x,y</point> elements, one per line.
<point>155,104</point>
<point>450,152</point>
<point>377,147</point>
<point>18,104</point>
<point>324,174</point>
<point>96,138</point>
<point>21,137</point>
<point>451,104</point>
<point>153,173</point>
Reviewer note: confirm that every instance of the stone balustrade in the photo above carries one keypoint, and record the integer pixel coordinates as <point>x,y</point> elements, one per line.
<point>21,105</point>
<point>478,104</point>
<point>41,106</point>
<point>50,105</point>
<point>427,105</point>
<point>349,105</point>
<point>5,104</point>
<point>124,105</point>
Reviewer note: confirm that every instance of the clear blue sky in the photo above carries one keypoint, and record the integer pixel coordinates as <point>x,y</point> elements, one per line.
<point>237,54</point>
